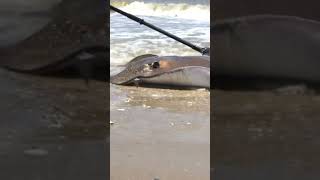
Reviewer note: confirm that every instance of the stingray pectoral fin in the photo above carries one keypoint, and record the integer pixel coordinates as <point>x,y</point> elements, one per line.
<point>142,57</point>
<point>124,77</point>
<point>129,73</point>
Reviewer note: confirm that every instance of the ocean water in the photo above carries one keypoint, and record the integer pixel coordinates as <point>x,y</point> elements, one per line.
<point>189,2</point>
<point>129,39</point>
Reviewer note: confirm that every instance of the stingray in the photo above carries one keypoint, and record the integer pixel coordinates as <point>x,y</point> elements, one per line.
<point>166,71</point>
<point>75,40</point>
<point>281,49</point>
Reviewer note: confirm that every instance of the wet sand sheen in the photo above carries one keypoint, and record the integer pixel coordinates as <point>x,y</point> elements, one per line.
<point>159,133</point>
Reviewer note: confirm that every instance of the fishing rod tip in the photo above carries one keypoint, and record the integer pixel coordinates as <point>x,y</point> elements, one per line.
<point>205,51</point>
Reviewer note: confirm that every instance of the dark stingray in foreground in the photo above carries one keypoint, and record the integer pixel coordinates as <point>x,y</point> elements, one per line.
<point>183,71</point>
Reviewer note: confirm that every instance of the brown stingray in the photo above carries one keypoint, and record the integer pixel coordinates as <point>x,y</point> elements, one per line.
<point>166,70</point>
<point>280,48</point>
<point>76,27</point>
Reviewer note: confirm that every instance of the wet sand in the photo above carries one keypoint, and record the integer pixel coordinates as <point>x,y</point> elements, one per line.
<point>159,133</point>
<point>48,131</point>
<point>265,135</point>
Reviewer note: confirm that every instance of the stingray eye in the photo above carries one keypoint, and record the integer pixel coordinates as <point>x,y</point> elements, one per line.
<point>155,65</point>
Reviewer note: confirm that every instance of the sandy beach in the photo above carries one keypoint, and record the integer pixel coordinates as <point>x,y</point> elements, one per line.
<point>159,133</point>
<point>48,131</point>
<point>265,135</point>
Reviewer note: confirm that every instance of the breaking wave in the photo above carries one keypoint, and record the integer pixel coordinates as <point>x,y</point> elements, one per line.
<point>198,12</point>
